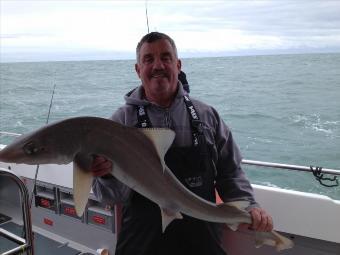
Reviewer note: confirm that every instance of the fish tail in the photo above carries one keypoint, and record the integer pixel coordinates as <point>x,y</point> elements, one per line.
<point>273,239</point>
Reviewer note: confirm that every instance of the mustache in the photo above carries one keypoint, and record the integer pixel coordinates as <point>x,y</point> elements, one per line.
<point>159,72</point>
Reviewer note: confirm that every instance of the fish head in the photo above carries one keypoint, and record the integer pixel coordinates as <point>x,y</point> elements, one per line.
<point>47,145</point>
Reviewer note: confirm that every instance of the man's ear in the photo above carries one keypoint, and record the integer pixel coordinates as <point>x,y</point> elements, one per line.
<point>179,65</point>
<point>137,68</point>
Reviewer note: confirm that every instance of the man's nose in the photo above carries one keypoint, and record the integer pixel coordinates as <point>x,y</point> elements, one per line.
<point>158,64</point>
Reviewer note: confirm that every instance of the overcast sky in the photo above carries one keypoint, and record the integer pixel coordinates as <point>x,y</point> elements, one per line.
<point>77,30</point>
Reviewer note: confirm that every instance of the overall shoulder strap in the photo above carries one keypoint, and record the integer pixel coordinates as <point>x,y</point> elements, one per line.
<point>142,117</point>
<point>196,124</point>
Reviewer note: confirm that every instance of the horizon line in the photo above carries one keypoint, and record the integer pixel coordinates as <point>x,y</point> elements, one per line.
<point>185,55</point>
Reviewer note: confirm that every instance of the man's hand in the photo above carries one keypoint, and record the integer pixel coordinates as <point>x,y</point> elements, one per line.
<point>261,220</point>
<point>101,166</point>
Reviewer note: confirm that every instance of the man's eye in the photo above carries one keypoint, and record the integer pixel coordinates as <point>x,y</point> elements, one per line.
<point>166,58</point>
<point>148,60</point>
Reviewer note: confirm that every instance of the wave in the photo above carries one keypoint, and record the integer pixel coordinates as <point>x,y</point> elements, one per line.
<point>251,116</point>
<point>327,131</point>
<point>315,122</point>
<point>18,124</point>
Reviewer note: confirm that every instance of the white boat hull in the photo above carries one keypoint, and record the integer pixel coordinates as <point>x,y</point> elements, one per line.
<point>311,220</point>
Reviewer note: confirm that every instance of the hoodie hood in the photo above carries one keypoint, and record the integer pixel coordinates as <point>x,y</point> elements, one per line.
<point>136,96</point>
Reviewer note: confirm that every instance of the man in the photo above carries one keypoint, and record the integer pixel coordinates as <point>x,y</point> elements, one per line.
<point>203,157</point>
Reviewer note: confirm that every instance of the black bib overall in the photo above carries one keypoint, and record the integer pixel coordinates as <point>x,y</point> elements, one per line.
<point>141,232</point>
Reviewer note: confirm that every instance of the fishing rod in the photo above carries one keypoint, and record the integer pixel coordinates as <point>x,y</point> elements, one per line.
<point>46,122</point>
<point>317,171</point>
<point>146,14</point>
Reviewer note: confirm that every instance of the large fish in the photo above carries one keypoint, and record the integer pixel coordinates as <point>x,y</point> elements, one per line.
<point>138,161</point>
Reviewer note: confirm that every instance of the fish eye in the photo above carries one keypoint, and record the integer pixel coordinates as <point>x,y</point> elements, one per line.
<point>30,148</point>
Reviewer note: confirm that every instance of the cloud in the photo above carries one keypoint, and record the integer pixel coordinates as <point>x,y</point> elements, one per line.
<point>196,26</point>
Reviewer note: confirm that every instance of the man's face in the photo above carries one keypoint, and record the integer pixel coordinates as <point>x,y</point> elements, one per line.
<point>158,68</point>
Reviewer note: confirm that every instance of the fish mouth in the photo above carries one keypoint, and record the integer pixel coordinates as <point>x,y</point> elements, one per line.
<point>12,156</point>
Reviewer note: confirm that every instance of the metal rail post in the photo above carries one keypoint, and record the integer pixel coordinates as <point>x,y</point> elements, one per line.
<point>24,244</point>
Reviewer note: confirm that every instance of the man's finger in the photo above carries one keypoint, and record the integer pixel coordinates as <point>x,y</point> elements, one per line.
<point>256,218</point>
<point>98,160</point>
<point>101,172</point>
<point>261,220</point>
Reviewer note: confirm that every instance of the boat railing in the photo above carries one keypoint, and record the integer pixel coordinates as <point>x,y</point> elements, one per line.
<point>9,134</point>
<point>6,137</point>
<point>317,171</point>
<point>23,244</point>
<point>289,167</point>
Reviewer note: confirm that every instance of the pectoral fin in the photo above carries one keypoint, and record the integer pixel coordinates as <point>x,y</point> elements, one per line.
<point>168,216</point>
<point>82,183</point>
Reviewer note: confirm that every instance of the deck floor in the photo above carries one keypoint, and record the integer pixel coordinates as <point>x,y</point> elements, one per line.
<point>42,244</point>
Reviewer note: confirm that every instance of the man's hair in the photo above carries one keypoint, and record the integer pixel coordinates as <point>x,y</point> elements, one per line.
<point>152,37</point>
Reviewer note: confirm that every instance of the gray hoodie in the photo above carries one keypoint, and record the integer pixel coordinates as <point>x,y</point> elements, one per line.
<point>231,182</point>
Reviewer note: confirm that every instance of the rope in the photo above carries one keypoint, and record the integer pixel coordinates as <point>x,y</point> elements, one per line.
<point>319,176</point>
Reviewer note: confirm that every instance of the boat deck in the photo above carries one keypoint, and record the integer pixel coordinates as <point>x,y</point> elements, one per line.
<point>42,244</point>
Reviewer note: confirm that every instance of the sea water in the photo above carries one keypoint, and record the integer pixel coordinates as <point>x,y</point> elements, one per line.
<point>280,108</point>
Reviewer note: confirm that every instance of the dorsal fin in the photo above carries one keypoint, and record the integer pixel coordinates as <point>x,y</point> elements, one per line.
<point>162,138</point>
